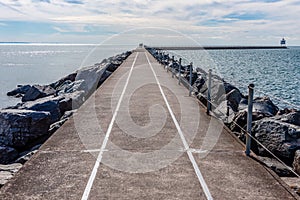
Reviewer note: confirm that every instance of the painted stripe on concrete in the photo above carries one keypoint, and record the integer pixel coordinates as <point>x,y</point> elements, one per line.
<point>89,185</point>
<point>186,146</point>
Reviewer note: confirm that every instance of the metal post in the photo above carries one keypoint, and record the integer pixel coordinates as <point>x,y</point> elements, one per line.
<point>209,92</point>
<point>249,118</point>
<point>173,70</point>
<point>191,73</point>
<point>179,74</point>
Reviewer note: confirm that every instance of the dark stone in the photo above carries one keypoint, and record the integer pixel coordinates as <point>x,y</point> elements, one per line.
<point>71,77</point>
<point>37,91</point>
<point>7,154</point>
<point>19,91</point>
<point>292,117</point>
<point>18,128</point>
<point>234,97</point>
<point>279,137</point>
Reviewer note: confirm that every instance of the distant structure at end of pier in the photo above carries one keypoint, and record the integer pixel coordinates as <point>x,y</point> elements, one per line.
<point>283,42</point>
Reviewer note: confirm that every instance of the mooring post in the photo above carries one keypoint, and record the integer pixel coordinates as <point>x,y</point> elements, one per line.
<point>249,119</point>
<point>209,92</point>
<point>191,73</point>
<point>179,70</point>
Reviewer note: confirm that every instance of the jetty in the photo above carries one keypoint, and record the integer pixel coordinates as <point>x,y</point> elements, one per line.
<point>141,136</point>
<point>217,47</point>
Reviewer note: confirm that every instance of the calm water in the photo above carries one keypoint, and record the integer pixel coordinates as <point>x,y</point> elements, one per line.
<point>275,72</point>
<point>43,64</point>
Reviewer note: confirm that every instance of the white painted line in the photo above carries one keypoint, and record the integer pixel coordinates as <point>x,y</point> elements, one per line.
<point>186,146</point>
<point>89,185</point>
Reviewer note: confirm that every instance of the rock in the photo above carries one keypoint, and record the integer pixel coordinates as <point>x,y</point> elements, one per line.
<point>7,154</point>
<point>111,67</point>
<point>279,137</point>
<point>105,75</point>
<point>71,101</point>
<point>23,159</point>
<point>293,117</point>
<point>37,91</point>
<point>262,105</point>
<point>19,91</point>
<point>91,76</point>
<point>8,171</point>
<point>48,104</point>
<point>69,78</point>
<point>20,127</point>
<point>234,98</point>
<point>280,169</point>
<point>296,162</point>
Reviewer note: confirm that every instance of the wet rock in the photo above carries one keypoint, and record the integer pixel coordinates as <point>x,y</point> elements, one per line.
<point>296,162</point>
<point>20,127</point>
<point>262,105</point>
<point>37,91</point>
<point>7,154</point>
<point>8,171</point>
<point>21,90</point>
<point>279,137</point>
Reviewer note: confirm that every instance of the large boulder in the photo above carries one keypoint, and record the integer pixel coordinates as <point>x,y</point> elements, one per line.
<point>69,78</point>
<point>38,91</point>
<point>262,105</point>
<point>91,77</point>
<point>48,104</point>
<point>19,128</point>
<point>291,117</point>
<point>20,90</point>
<point>279,137</point>
<point>7,154</point>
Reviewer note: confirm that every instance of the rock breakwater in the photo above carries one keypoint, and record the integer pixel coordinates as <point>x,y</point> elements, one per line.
<point>44,108</point>
<point>278,130</point>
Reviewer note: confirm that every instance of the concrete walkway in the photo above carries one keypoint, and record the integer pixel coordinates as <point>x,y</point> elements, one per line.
<point>140,136</point>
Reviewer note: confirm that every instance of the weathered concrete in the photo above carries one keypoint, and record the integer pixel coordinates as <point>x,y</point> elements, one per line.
<point>62,167</point>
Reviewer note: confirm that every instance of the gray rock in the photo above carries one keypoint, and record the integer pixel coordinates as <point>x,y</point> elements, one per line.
<point>49,104</point>
<point>37,91</point>
<point>234,98</point>
<point>69,78</point>
<point>292,117</point>
<point>293,183</point>
<point>91,76</point>
<point>296,162</point>
<point>7,154</point>
<point>19,91</point>
<point>8,171</point>
<point>279,137</point>
<point>20,127</point>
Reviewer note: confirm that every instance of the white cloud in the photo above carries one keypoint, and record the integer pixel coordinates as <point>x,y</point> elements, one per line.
<point>194,17</point>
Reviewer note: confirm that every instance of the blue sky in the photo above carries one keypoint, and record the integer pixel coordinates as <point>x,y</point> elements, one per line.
<point>209,22</point>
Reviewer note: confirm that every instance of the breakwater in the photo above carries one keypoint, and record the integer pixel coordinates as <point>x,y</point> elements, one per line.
<point>217,47</point>
<point>45,108</point>
<point>274,130</point>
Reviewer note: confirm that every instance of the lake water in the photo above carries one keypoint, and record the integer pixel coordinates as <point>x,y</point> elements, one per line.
<point>45,63</point>
<point>275,72</point>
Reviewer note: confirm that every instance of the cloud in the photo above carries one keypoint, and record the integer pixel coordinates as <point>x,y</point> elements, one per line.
<point>227,19</point>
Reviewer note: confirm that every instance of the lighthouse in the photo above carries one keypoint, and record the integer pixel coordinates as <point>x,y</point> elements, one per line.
<point>283,42</point>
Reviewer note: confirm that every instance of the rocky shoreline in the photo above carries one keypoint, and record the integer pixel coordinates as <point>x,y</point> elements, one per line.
<point>44,108</point>
<point>278,130</point>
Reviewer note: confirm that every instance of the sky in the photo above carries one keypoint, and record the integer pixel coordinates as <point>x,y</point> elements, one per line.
<point>204,22</point>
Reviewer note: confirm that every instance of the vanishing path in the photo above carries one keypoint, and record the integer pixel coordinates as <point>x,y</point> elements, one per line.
<point>140,136</point>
